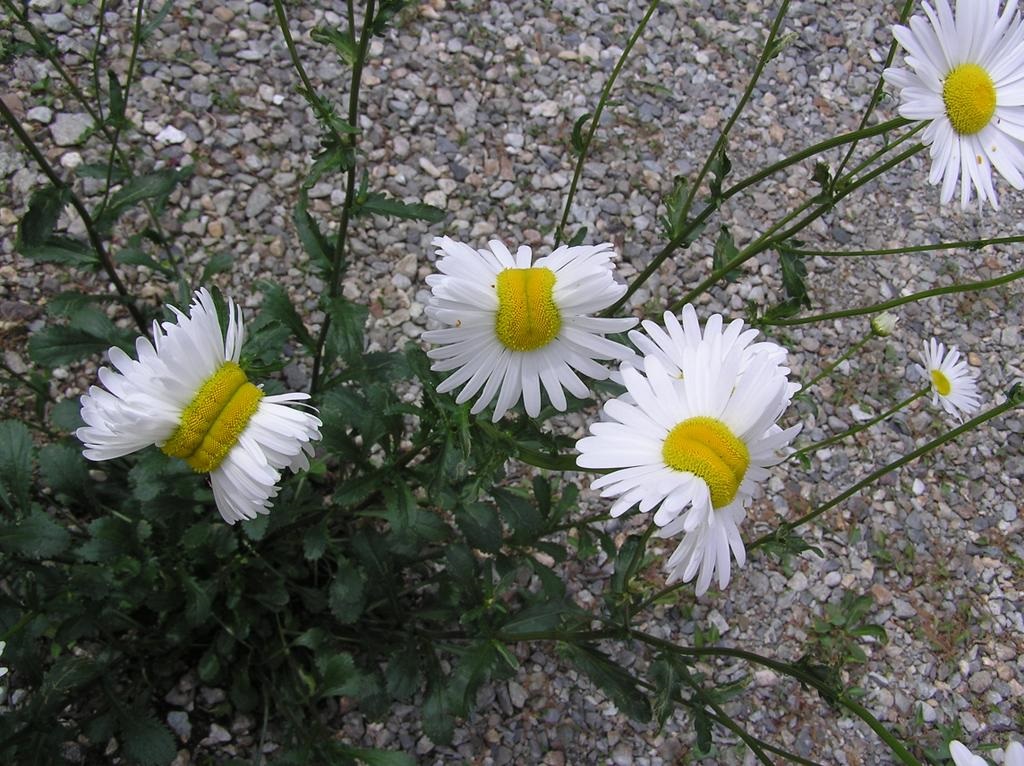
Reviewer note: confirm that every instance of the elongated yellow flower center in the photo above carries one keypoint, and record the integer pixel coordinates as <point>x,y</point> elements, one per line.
<point>970,98</point>
<point>527,318</point>
<point>214,419</point>
<point>941,382</point>
<point>707,448</point>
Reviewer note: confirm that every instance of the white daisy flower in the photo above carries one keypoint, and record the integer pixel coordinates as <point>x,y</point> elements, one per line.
<point>3,670</point>
<point>515,324</point>
<point>954,386</point>
<point>1014,755</point>
<point>694,447</point>
<point>187,395</point>
<point>967,80</point>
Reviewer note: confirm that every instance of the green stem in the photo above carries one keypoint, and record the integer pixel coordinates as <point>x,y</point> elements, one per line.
<point>723,137</point>
<point>969,244</point>
<point>860,426</point>
<point>766,240</point>
<point>334,286</point>
<point>596,119</point>
<point>1014,399</point>
<point>90,226</point>
<point>801,675</point>
<point>828,369</point>
<point>966,287</point>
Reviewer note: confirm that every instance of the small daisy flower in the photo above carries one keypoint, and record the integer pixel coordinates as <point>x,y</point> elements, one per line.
<point>966,80</point>
<point>693,446</point>
<point>187,395</point>
<point>883,325</point>
<point>514,324</point>
<point>954,386</point>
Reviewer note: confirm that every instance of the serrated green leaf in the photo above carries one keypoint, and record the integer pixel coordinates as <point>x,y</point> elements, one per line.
<point>608,676</point>
<point>345,335</point>
<point>536,618</point>
<point>476,667</point>
<point>198,601</point>
<point>277,306</point>
<point>720,167</point>
<point>347,594</point>
<point>209,666</point>
<point>16,452</point>
<point>339,677</point>
<point>725,251</point>
<point>218,264</point>
<point>44,208</point>
<point>314,541</point>
<point>66,675</point>
<point>63,468</point>
<point>66,415</point>
<point>522,516</point>
<point>702,726</point>
<point>403,674</point>
<point>438,719</point>
<point>380,204</point>
<point>153,186</point>
<point>343,43</point>
<point>36,536</point>
<point>145,740</point>
<point>63,250</point>
<point>627,562</point>
<point>56,345</point>
<point>793,273</point>
<point>667,679</point>
<point>480,525</point>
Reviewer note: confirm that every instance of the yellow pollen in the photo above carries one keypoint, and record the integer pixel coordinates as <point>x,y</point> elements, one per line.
<point>214,419</point>
<point>970,98</point>
<point>941,382</point>
<point>527,318</point>
<point>707,448</point>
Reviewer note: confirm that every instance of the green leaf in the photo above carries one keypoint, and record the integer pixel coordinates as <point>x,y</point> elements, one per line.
<point>347,595</point>
<point>278,306</point>
<point>218,264</point>
<point>154,23</point>
<point>608,676</point>
<point>536,618</point>
<point>720,167</point>
<point>343,42</point>
<point>99,170</point>
<point>522,516</point>
<point>480,525</point>
<point>725,251</point>
<point>57,345</point>
<point>109,537</point>
<point>63,468</point>
<point>66,415</point>
<point>44,208</point>
<point>345,336</point>
<point>380,204</point>
<point>702,725</point>
<point>438,719</point>
<point>314,541</point>
<point>66,675</point>
<point>316,245</point>
<point>116,99</point>
<point>476,667</point>
<point>403,673</point>
<point>36,536</point>
<point>793,273</point>
<point>340,677</point>
<point>578,237</point>
<point>667,679</point>
<point>577,139</point>
<point>381,757</point>
<point>209,666</point>
<point>16,452</point>
<point>156,186</point>
<point>64,250</point>
<point>198,601</point>
<point>145,740</point>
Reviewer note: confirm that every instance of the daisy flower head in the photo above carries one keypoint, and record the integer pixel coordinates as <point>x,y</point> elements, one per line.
<point>3,670</point>
<point>693,447</point>
<point>1014,755</point>
<point>954,386</point>
<point>514,325</point>
<point>966,80</point>
<point>186,394</point>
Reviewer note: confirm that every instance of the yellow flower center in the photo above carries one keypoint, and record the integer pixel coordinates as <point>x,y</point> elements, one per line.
<point>941,382</point>
<point>527,315</point>
<point>214,419</point>
<point>707,448</point>
<point>970,98</point>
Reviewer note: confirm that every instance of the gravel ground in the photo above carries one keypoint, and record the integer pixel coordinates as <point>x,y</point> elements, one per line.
<point>470,106</point>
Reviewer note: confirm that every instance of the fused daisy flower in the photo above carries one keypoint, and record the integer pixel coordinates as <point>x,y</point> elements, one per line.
<point>693,446</point>
<point>187,395</point>
<point>514,325</point>
<point>966,80</point>
<point>963,757</point>
<point>954,386</point>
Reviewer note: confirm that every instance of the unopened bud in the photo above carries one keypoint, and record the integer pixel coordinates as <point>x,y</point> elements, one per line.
<point>883,324</point>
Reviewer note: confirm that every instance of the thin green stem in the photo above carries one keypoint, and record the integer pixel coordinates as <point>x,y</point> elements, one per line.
<point>827,370</point>
<point>90,226</point>
<point>694,225</point>
<point>767,52</point>
<point>860,426</point>
<point>966,287</point>
<point>969,244</point>
<point>1014,400</point>
<point>876,94</point>
<point>337,260</point>
<point>94,57</point>
<point>796,672</point>
<point>596,118</point>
